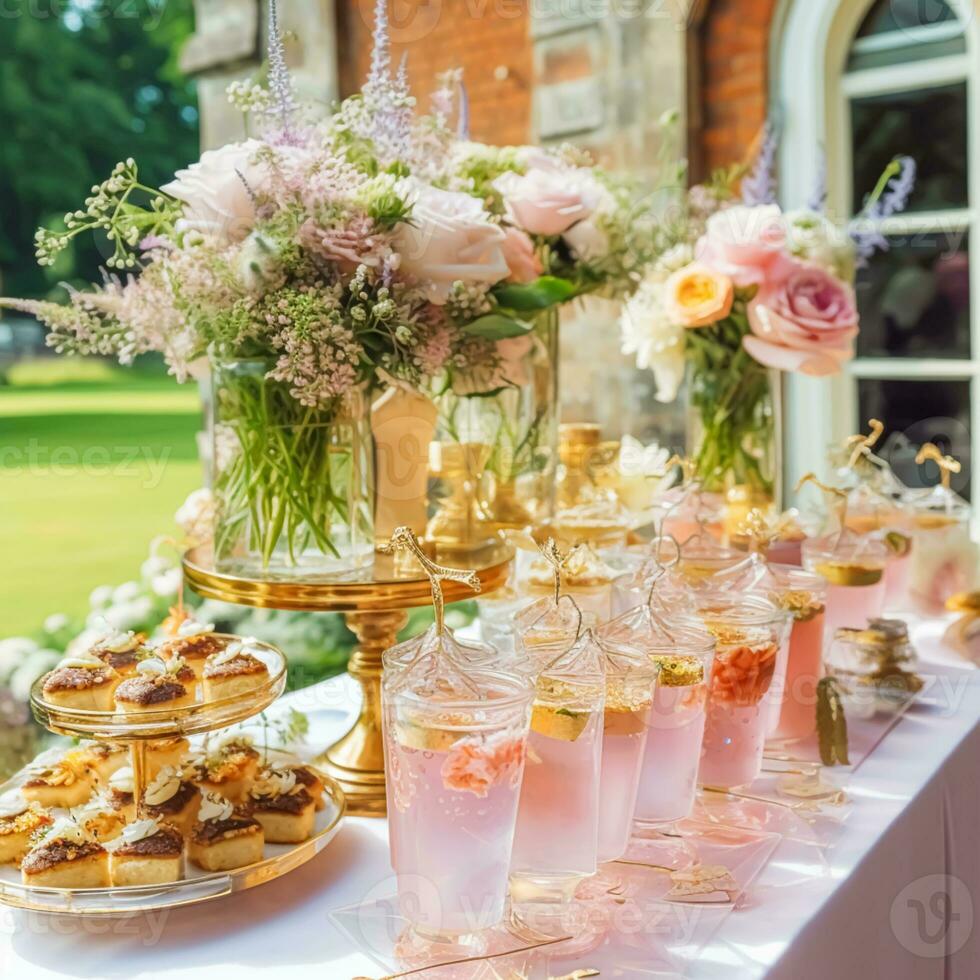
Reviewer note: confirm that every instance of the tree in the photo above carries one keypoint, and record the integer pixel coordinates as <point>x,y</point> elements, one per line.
<point>83,84</point>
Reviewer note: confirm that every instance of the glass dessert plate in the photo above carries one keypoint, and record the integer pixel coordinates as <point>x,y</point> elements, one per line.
<point>197,886</point>
<point>168,722</point>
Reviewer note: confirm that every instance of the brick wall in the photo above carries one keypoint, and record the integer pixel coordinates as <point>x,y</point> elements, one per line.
<point>488,39</point>
<point>731,50</point>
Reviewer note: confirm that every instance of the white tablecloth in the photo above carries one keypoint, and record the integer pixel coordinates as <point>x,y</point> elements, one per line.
<point>875,907</point>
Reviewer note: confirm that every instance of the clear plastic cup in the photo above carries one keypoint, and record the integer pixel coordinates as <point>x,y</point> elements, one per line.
<point>455,740</point>
<point>748,631</point>
<point>854,569</point>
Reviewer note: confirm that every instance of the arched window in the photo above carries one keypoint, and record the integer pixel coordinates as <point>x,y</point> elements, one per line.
<point>896,77</point>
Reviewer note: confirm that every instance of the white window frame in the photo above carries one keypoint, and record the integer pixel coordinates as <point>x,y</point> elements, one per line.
<point>810,45</point>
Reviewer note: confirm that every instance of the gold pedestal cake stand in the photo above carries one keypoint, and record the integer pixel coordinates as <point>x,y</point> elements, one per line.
<point>375,609</point>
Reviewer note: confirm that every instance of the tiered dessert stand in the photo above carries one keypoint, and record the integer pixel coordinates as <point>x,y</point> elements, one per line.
<point>375,609</point>
<point>135,731</point>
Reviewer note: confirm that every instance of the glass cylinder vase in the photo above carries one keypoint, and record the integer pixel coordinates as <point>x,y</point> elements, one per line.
<point>735,430</point>
<point>293,484</point>
<point>516,426</point>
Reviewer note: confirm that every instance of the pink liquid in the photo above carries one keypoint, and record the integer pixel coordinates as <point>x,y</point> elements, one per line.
<point>450,849</point>
<point>669,774</point>
<point>897,573</point>
<point>798,717</point>
<point>787,552</point>
<point>622,764</point>
<point>853,606</point>
<point>777,690</point>
<point>734,738</point>
<point>557,822</point>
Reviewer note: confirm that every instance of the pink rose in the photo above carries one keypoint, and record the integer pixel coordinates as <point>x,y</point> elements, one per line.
<point>806,323</point>
<point>748,244</point>
<point>549,202</point>
<point>520,256</point>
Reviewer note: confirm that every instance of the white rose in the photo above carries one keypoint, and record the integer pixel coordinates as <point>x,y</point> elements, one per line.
<point>216,199</point>
<point>658,342</point>
<point>451,238</point>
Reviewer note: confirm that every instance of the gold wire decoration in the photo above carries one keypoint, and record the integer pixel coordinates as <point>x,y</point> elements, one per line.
<point>553,555</point>
<point>836,495</point>
<point>687,467</point>
<point>757,530</point>
<point>862,445</point>
<point>948,465</point>
<point>403,539</point>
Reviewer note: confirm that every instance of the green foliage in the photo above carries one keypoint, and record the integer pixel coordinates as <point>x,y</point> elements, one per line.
<point>538,295</point>
<point>81,90</point>
<point>497,326</point>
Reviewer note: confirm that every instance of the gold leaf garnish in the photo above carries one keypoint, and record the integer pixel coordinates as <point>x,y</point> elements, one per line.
<point>703,880</point>
<point>831,724</point>
<point>678,671</point>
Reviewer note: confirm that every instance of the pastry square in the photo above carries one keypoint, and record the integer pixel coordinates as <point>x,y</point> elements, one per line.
<point>194,650</point>
<point>153,859</point>
<point>172,801</point>
<point>230,771</point>
<point>65,858</point>
<point>63,784</point>
<point>165,752</point>
<point>100,819</point>
<point>145,693</point>
<point>286,819</point>
<point>20,819</point>
<point>79,683</point>
<point>231,676</point>
<point>120,794</point>
<point>312,783</point>
<point>225,837</point>
<point>103,759</point>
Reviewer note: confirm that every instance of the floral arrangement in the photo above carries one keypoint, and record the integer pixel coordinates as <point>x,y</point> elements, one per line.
<point>745,288</point>
<point>370,249</point>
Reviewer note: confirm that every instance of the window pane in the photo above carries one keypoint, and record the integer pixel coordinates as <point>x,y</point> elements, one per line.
<point>915,298</point>
<point>915,412</point>
<point>929,125</point>
<point>887,16</point>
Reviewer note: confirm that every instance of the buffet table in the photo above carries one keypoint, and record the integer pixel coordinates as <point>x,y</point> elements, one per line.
<point>870,904</point>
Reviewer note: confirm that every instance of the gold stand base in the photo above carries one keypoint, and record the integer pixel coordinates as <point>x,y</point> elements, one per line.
<point>357,760</point>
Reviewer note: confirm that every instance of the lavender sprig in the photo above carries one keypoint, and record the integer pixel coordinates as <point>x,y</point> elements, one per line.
<point>759,186</point>
<point>379,74</point>
<point>280,82</point>
<point>890,197</point>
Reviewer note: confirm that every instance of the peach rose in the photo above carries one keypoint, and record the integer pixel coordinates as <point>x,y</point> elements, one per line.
<point>520,257</point>
<point>698,296</point>
<point>806,323</point>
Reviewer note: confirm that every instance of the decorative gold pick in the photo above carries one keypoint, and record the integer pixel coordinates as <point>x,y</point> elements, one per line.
<point>757,529</point>
<point>686,464</point>
<point>833,492</point>
<point>553,556</point>
<point>404,539</point>
<point>863,444</point>
<point>948,465</point>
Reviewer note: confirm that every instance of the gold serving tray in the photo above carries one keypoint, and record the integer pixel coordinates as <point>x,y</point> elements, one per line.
<point>193,719</point>
<point>200,886</point>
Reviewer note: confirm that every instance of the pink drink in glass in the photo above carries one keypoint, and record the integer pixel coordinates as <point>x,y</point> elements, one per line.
<point>748,634</point>
<point>454,770</point>
<point>669,778</point>
<point>798,714</point>
<point>630,688</point>
<point>897,573</point>
<point>854,568</point>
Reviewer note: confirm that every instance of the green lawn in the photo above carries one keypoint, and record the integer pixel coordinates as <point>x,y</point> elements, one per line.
<point>93,463</point>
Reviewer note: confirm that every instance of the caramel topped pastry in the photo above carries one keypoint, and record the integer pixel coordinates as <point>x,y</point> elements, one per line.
<point>234,671</point>
<point>227,769</point>
<point>157,684</point>
<point>312,783</point>
<point>99,818</point>
<point>66,857</point>
<point>103,759</point>
<point>84,683</point>
<point>282,805</point>
<point>146,853</point>
<point>65,783</point>
<point>224,837</point>
<point>120,650</point>
<point>194,643</point>
<point>172,800</point>
<point>20,819</point>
